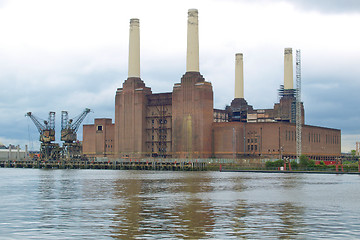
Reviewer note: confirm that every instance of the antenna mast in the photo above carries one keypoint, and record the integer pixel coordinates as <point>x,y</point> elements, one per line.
<point>298,105</point>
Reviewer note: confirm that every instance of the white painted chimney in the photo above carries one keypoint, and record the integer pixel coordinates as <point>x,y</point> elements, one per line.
<point>192,57</point>
<point>134,49</point>
<point>239,76</point>
<point>288,69</point>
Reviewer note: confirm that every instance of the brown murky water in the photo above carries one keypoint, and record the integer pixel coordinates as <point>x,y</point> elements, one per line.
<point>107,204</point>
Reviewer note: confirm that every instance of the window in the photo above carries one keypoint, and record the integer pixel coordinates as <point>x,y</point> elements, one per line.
<point>99,128</point>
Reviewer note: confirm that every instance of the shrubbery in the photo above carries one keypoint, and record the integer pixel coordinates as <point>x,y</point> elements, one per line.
<point>307,164</point>
<point>275,164</point>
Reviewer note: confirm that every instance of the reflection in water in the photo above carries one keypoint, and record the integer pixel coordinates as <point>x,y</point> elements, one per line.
<point>100,204</point>
<point>186,207</point>
<point>195,215</point>
<point>162,207</point>
<point>127,210</point>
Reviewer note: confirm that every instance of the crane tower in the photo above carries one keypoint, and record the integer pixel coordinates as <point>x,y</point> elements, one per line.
<point>71,147</point>
<point>48,149</point>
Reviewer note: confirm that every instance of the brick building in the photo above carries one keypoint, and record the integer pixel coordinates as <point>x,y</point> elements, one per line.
<point>183,123</point>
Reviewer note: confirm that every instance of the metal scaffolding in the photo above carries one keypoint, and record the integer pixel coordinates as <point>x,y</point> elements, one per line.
<point>298,105</point>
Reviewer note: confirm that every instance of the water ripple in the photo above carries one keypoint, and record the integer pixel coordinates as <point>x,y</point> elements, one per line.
<point>103,204</point>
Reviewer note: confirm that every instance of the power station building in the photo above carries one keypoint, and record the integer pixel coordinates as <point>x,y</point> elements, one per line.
<point>184,124</point>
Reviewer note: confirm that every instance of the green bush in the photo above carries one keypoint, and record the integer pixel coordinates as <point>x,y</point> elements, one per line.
<point>294,164</point>
<point>274,164</point>
<point>305,162</point>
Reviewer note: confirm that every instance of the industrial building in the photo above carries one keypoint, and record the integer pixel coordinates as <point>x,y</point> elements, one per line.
<point>184,124</point>
<point>13,153</point>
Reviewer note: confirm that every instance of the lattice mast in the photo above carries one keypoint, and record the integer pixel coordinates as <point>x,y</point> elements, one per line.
<point>298,105</point>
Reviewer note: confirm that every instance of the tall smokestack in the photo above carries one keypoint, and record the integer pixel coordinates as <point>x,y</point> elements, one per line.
<point>239,76</point>
<point>134,49</point>
<point>192,57</point>
<point>288,69</point>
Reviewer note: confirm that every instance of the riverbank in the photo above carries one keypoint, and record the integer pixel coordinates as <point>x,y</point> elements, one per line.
<point>279,171</point>
<point>119,164</point>
<point>163,165</point>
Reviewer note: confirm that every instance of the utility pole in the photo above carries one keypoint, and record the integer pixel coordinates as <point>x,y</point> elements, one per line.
<point>234,144</point>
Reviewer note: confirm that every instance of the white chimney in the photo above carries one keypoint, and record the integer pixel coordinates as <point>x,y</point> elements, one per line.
<point>134,49</point>
<point>288,69</point>
<point>239,76</point>
<point>192,57</point>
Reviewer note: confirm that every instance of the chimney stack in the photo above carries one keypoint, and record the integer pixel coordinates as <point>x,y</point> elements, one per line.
<point>134,49</point>
<point>288,69</point>
<point>239,76</point>
<point>192,57</point>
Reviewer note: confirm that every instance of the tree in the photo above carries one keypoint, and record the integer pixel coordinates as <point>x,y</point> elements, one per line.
<point>306,162</point>
<point>353,153</point>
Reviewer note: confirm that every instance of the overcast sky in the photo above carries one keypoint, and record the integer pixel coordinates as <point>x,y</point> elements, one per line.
<point>71,54</point>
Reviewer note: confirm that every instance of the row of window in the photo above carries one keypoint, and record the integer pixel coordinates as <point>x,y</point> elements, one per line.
<point>162,137</point>
<point>159,143</point>
<point>252,140</point>
<point>161,121</point>
<point>290,135</point>
<point>332,139</point>
<point>160,130</point>
<point>252,147</point>
<point>314,137</point>
<point>160,149</point>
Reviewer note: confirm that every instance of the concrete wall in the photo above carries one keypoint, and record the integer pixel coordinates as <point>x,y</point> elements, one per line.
<point>13,154</point>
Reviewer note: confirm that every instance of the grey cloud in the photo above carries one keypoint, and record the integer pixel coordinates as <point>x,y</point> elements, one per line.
<point>335,107</point>
<point>325,6</point>
<point>329,6</point>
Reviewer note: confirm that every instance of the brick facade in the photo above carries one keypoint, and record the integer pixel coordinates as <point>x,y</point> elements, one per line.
<point>183,124</point>
<point>98,138</point>
<point>274,139</point>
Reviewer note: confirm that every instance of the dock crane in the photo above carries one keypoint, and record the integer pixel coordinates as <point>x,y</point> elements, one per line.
<point>48,149</point>
<point>71,147</point>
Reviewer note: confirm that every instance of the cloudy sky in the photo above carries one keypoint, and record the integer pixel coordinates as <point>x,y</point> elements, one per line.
<point>71,54</point>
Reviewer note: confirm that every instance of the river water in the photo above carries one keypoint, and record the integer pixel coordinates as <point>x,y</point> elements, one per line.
<point>115,204</point>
